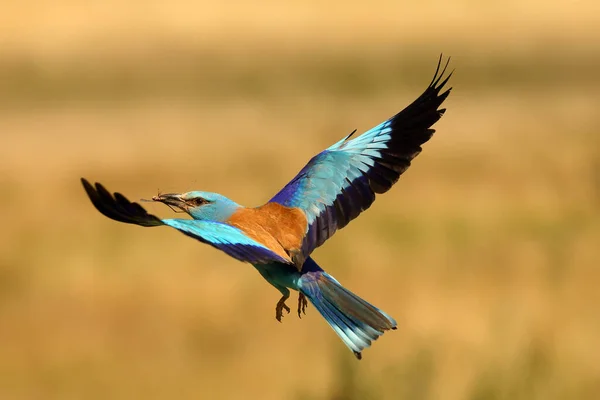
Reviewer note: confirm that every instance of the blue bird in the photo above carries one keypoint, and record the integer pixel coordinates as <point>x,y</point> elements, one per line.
<point>278,237</point>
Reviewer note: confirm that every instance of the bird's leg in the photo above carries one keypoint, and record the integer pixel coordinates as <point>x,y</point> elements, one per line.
<point>302,303</point>
<point>281,306</point>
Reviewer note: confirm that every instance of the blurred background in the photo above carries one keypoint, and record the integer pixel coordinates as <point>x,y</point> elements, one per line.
<point>486,252</point>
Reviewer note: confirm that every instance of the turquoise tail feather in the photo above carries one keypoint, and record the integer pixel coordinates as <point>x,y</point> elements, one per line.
<point>355,321</point>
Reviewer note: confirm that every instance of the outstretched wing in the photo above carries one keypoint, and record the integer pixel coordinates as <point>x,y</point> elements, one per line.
<point>224,237</point>
<point>339,183</point>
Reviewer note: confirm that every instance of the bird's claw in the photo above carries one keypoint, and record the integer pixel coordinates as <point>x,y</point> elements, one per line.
<point>280,307</point>
<point>302,304</point>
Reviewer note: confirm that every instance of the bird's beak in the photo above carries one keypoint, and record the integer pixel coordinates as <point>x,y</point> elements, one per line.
<point>171,199</point>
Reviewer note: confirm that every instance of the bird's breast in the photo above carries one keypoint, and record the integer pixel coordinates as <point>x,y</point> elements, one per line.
<point>278,227</point>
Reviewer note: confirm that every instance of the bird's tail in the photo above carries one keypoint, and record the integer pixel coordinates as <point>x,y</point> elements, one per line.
<point>354,320</point>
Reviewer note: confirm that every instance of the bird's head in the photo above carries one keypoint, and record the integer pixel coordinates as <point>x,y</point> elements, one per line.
<point>200,205</point>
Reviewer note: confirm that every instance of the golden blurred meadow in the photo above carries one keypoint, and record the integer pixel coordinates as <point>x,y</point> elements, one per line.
<point>486,252</point>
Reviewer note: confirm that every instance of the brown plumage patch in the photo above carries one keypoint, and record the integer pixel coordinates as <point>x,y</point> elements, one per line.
<point>279,228</point>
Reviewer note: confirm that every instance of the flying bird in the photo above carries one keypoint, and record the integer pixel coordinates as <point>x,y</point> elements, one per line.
<point>278,237</point>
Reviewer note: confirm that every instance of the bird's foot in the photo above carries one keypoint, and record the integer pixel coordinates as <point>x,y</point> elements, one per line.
<point>280,307</point>
<point>302,303</point>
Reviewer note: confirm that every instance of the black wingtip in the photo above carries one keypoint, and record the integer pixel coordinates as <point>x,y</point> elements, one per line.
<point>86,184</point>
<point>350,135</point>
<point>441,85</point>
<point>358,355</point>
<point>117,207</point>
<point>435,82</point>
<point>437,69</point>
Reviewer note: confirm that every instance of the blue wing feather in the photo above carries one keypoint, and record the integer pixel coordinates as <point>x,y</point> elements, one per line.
<point>224,237</point>
<point>339,183</point>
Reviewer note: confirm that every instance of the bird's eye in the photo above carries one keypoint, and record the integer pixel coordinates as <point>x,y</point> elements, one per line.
<point>198,201</point>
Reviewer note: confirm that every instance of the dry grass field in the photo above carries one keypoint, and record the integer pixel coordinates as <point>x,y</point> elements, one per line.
<point>487,252</point>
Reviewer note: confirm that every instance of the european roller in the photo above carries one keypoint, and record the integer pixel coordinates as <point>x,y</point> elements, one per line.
<point>277,238</point>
